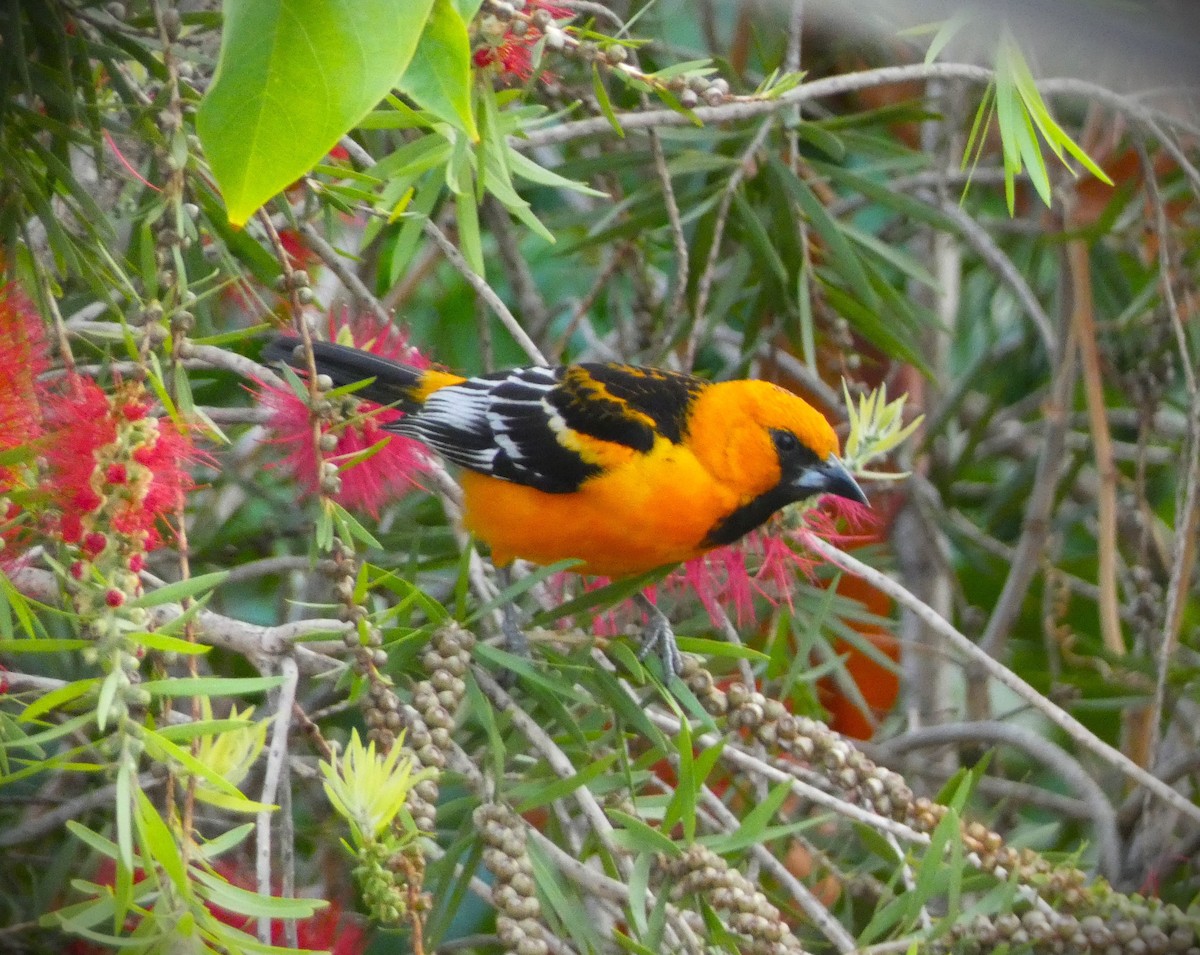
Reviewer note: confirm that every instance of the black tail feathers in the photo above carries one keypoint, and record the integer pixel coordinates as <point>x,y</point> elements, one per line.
<point>394,383</point>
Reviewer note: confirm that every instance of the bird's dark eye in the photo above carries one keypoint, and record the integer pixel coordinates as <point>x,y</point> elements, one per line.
<point>785,441</point>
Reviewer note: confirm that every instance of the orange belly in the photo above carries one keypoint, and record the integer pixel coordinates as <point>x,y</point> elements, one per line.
<point>642,515</point>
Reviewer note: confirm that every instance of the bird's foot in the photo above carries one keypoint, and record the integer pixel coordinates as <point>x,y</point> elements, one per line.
<point>659,638</point>
<point>515,641</point>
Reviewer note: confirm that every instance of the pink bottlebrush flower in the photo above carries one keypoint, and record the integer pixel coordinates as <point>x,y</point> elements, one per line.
<point>369,484</point>
<point>763,564</point>
<point>100,438</point>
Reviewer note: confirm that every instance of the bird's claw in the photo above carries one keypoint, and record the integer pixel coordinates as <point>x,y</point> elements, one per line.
<point>515,641</point>
<point>659,638</point>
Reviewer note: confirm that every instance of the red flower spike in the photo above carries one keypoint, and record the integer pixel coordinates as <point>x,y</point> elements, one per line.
<point>513,54</point>
<point>23,355</point>
<point>369,484</point>
<point>94,543</point>
<point>114,598</point>
<point>92,428</point>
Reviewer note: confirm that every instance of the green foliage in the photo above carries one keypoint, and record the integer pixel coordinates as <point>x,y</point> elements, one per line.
<point>765,229</point>
<point>294,76</point>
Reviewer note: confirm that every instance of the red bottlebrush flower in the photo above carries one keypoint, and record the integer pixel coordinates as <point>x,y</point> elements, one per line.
<point>114,598</point>
<point>23,357</point>
<point>511,53</point>
<point>512,56</point>
<point>329,930</point>
<point>23,353</point>
<point>94,543</point>
<point>370,483</point>
<point>94,429</point>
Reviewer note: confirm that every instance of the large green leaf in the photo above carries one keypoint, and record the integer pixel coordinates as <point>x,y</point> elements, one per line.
<point>293,77</point>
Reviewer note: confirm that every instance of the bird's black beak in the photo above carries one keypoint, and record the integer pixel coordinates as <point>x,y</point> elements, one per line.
<point>831,477</point>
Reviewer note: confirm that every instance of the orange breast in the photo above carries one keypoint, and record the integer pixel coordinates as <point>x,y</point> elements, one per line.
<point>653,510</point>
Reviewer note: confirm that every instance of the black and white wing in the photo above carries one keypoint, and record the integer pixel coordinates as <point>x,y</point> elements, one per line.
<point>535,426</point>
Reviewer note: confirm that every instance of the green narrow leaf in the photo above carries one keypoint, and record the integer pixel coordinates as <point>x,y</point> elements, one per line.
<point>469,240</point>
<point>351,527</point>
<point>248,902</point>
<point>482,708</point>
<point>840,254</point>
<point>606,108</point>
<point>176,592</point>
<point>571,910</point>
<point>107,696</point>
<point>636,836</point>
<point>13,600</point>
<point>639,888</point>
<point>158,843</point>
<point>211,685</point>
<point>524,167</point>
<point>292,78</point>
<point>439,75</point>
<point>163,749</point>
<point>124,815</point>
<point>946,32</point>
<point>408,240</point>
<point>42,644</point>
<point>754,825</point>
<point>56,698</point>
<point>152,640</point>
<point>95,841</point>
<point>559,788</point>
<point>682,807</point>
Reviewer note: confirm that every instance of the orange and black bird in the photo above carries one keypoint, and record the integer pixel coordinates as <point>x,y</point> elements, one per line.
<point>626,469</point>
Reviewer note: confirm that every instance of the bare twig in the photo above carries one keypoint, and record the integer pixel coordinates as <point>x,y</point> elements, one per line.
<point>484,291</point>
<point>675,306</point>
<point>1187,523</point>
<point>347,276</point>
<point>1035,524</point>
<point>1063,720</point>
<point>277,752</point>
<point>740,108</point>
<point>47,822</point>
<point>728,192</point>
<point>1083,321</point>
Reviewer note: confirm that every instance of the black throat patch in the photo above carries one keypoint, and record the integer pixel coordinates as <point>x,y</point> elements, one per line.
<point>737,524</point>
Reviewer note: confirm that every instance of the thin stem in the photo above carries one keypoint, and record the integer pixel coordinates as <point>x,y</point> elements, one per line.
<point>1060,718</point>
